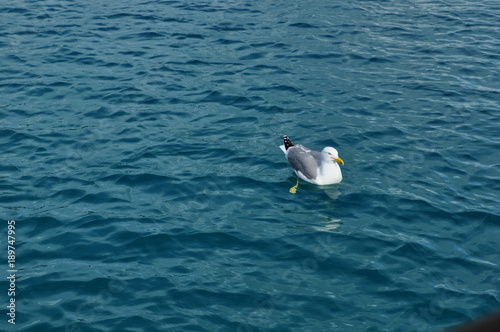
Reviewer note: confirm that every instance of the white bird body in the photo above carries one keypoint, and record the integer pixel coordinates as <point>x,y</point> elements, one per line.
<point>321,168</point>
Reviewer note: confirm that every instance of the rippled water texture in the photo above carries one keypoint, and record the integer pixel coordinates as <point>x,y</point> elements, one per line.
<point>140,162</point>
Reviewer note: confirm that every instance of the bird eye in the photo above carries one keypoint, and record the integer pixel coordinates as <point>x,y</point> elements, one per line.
<point>329,153</point>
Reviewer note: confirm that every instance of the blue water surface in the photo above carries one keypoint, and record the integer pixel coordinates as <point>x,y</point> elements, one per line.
<point>140,163</point>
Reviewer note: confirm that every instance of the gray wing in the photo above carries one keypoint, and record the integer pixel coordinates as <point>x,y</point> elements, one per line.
<point>304,160</point>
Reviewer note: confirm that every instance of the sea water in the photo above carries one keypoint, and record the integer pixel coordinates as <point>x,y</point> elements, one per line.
<point>140,163</point>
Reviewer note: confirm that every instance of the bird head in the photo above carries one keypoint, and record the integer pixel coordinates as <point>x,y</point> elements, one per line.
<point>331,154</point>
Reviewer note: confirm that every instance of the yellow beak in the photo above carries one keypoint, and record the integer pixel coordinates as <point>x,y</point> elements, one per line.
<point>340,161</point>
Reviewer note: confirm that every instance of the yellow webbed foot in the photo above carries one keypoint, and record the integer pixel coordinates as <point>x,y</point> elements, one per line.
<point>293,190</point>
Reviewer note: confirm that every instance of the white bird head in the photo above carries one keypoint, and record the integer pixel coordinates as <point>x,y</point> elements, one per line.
<point>331,155</point>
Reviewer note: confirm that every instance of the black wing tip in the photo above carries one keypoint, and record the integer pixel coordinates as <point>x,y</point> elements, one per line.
<point>287,142</point>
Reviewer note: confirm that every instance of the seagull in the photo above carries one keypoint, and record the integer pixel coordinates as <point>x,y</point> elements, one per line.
<point>316,167</point>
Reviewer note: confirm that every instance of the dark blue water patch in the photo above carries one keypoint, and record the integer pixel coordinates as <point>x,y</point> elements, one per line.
<point>100,198</point>
<point>106,113</point>
<point>303,26</point>
<point>143,36</point>
<point>285,88</point>
<point>239,121</point>
<point>141,179</point>
<point>253,56</point>
<point>219,98</point>
<point>228,27</point>
<point>228,41</point>
<point>133,16</point>
<point>14,10</point>
<point>182,36</point>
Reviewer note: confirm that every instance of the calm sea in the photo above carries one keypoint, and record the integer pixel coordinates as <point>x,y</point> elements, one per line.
<point>139,160</point>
